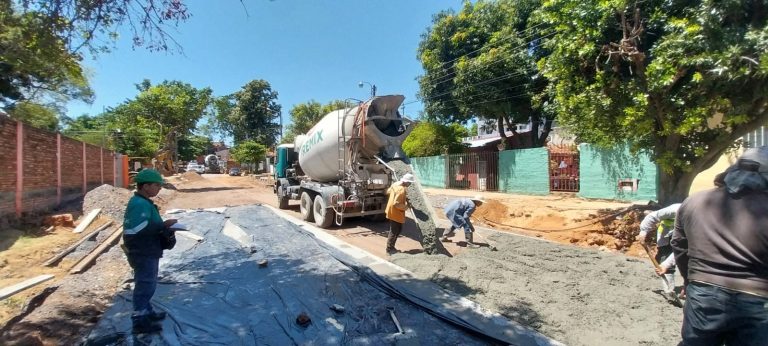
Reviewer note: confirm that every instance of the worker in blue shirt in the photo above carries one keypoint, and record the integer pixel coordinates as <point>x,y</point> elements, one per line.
<point>458,213</point>
<point>145,236</point>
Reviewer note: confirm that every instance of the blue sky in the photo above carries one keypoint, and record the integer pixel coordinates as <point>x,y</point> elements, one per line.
<point>306,49</point>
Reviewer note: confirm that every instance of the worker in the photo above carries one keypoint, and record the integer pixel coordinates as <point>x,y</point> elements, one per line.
<point>397,204</point>
<point>458,213</point>
<point>145,235</point>
<point>721,247</point>
<point>663,220</point>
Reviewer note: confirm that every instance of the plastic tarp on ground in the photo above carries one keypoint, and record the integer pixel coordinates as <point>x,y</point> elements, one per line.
<point>215,293</point>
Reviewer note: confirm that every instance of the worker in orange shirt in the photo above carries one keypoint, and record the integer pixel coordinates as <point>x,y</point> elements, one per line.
<point>395,211</point>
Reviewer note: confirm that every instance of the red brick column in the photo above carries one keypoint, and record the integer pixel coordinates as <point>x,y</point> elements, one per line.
<point>19,167</point>
<point>58,169</point>
<point>85,176</point>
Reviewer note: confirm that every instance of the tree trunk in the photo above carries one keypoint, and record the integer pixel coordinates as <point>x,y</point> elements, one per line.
<point>673,188</point>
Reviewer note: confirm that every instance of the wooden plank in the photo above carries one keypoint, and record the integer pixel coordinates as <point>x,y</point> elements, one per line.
<point>86,261</point>
<point>87,221</point>
<point>190,235</point>
<point>11,290</point>
<point>74,246</point>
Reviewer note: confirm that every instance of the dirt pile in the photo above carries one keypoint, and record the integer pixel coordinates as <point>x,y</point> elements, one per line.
<point>112,201</point>
<point>191,176</point>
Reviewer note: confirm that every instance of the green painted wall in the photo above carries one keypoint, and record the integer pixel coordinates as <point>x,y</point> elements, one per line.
<point>601,170</point>
<point>430,170</point>
<point>524,171</point>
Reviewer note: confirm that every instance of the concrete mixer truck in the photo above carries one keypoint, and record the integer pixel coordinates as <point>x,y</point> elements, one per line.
<point>339,168</point>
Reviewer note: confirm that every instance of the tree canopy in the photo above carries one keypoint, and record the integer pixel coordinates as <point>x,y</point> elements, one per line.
<point>42,42</point>
<point>158,116</point>
<point>248,151</point>
<point>681,80</point>
<point>481,62</point>
<point>249,114</point>
<point>430,138</point>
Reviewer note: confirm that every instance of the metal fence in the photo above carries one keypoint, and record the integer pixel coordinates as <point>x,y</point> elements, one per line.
<point>472,171</point>
<point>563,168</point>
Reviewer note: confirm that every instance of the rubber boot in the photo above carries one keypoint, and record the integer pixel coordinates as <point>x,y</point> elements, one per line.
<point>144,324</point>
<point>445,236</point>
<point>470,243</point>
<point>669,283</point>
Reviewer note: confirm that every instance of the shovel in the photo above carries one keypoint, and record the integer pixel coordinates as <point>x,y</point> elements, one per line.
<point>673,297</point>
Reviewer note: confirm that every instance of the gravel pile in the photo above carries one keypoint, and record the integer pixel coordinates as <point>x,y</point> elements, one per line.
<point>191,176</point>
<point>112,201</point>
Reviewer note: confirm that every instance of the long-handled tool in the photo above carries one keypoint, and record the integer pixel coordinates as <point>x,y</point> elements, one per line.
<point>672,296</point>
<point>394,319</point>
<point>490,245</point>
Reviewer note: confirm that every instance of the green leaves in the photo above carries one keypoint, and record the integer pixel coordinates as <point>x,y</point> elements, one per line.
<point>249,114</point>
<point>248,151</point>
<point>683,80</point>
<point>430,138</point>
<point>480,63</point>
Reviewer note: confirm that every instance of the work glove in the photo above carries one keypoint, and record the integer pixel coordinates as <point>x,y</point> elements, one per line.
<point>641,236</point>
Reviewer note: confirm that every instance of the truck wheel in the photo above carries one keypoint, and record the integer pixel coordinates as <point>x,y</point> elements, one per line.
<point>323,215</point>
<point>306,207</point>
<point>282,199</point>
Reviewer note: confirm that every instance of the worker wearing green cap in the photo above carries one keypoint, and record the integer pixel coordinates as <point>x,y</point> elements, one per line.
<point>145,236</point>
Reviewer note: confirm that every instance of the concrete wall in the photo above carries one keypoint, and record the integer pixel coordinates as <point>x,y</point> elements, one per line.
<point>430,170</point>
<point>603,170</point>
<point>524,171</point>
<point>53,170</point>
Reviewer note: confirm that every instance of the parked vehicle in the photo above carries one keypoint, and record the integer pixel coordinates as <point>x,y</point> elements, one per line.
<point>195,167</point>
<point>234,171</point>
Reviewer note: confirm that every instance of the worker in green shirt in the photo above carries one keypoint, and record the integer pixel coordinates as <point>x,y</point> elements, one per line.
<point>145,236</point>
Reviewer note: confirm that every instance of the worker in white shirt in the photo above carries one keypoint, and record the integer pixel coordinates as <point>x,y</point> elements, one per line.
<point>663,221</point>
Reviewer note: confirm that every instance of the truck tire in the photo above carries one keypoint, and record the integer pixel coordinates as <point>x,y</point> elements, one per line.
<point>323,215</point>
<point>306,207</point>
<point>282,199</point>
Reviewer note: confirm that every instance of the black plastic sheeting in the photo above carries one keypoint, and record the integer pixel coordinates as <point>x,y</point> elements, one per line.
<point>215,293</point>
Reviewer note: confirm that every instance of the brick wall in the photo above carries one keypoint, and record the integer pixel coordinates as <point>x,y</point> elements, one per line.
<point>72,168</point>
<point>40,182</point>
<point>47,179</point>
<point>7,165</point>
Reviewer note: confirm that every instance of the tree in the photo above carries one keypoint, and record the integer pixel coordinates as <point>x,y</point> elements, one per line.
<point>305,115</point>
<point>193,145</point>
<point>680,80</point>
<point>481,62</point>
<point>42,41</point>
<point>34,60</point>
<point>37,115</point>
<point>249,114</point>
<point>86,128</point>
<point>431,138</point>
<point>248,151</point>
<point>159,115</point>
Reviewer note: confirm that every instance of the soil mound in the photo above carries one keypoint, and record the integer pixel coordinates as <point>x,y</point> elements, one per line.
<point>191,176</point>
<point>112,201</point>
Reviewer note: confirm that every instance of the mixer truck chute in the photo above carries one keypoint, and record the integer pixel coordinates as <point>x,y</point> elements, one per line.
<point>337,169</point>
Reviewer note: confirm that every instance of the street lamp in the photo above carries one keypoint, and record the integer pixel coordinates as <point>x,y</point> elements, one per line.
<point>373,87</point>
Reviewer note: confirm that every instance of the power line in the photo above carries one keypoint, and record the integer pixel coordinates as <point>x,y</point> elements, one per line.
<point>487,46</point>
<point>449,76</point>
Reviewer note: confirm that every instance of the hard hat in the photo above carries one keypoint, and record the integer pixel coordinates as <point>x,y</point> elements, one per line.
<point>148,176</point>
<point>478,198</point>
<point>757,157</point>
<point>407,178</point>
